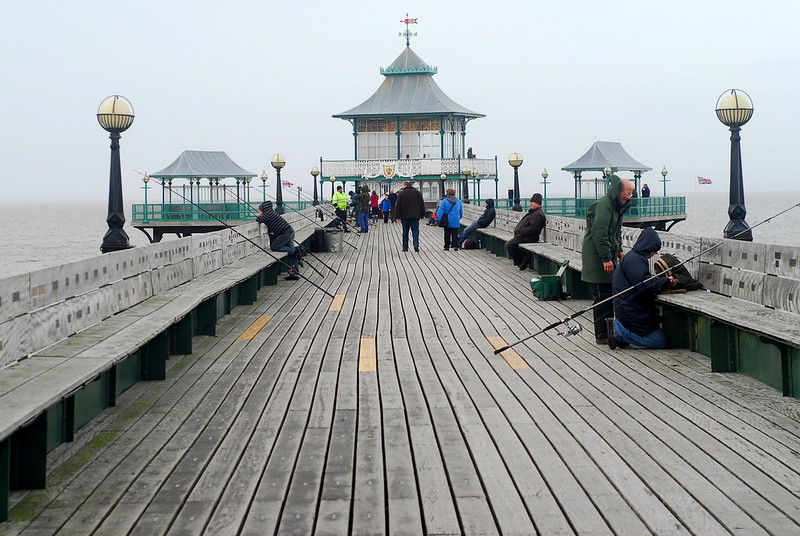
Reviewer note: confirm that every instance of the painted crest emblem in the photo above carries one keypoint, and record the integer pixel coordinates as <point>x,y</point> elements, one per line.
<point>388,171</point>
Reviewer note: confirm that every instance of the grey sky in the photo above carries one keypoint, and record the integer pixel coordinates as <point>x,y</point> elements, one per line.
<point>255,78</point>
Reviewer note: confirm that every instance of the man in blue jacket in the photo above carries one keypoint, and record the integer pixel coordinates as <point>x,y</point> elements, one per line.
<point>637,318</point>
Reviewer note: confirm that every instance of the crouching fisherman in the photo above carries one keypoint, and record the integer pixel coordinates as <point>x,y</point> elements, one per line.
<point>637,317</point>
<point>281,237</point>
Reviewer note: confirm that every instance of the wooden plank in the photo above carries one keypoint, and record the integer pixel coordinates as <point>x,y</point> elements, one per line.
<point>514,360</point>
<point>255,328</point>
<point>337,302</point>
<point>367,356</point>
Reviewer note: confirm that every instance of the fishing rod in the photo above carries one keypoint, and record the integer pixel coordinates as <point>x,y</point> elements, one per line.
<point>571,329</point>
<point>299,245</point>
<point>224,223</point>
<point>303,215</point>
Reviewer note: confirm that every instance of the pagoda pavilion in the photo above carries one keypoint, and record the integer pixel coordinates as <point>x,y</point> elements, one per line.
<point>410,129</point>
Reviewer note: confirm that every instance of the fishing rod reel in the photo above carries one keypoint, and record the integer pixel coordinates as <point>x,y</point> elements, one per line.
<point>570,328</point>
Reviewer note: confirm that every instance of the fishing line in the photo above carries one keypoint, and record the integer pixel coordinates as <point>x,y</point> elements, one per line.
<point>571,330</point>
<point>238,233</point>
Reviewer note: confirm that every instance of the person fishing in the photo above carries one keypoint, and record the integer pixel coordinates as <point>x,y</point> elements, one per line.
<point>340,201</point>
<point>637,317</point>
<point>281,237</point>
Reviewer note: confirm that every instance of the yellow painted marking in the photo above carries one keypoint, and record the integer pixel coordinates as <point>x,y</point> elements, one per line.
<point>250,333</point>
<point>337,303</point>
<point>368,356</point>
<point>513,359</point>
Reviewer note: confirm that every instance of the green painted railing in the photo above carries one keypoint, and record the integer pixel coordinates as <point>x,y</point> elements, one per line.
<point>178,212</point>
<point>641,207</point>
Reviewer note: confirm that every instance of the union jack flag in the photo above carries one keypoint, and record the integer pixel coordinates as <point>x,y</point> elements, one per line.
<point>409,21</point>
<point>703,180</point>
<point>286,183</point>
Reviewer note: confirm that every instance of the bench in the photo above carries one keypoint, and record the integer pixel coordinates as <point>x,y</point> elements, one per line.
<point>745,321</point>
<point>118,332</point>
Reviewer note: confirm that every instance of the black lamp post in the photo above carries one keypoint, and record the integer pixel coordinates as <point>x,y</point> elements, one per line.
<point>315,174</point>
<point>515,160</point>
<point>545,182</point>
<point>278,161</point>
<point>115,115</point>
<point>264,185</point>
<point>734,109</point>
<point>465,189</point>
<point>474,181</point>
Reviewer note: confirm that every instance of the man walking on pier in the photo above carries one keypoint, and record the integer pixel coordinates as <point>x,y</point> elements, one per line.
<point>281,237</point>
<point>602,248</point>
<point>340,201</point>
<point>410,208</point>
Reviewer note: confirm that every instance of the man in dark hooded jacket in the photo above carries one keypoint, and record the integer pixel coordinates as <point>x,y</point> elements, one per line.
<point>362,209</point>
<point>484,221</point>
<point>637,316</point>
<point>602,248</point>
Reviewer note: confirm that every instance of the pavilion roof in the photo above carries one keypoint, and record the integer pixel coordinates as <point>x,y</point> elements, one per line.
<point>193,164</point>
<point>408,89</point>
<point>606,153</point>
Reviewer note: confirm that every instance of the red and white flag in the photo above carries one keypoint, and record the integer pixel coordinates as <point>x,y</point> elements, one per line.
<point>409,21</point>
<point>287,183</point>
<point>703,180</point>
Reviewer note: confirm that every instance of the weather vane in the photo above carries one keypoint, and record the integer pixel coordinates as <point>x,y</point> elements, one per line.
<point>408,33</point>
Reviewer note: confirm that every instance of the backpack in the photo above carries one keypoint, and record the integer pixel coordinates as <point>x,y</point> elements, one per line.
<point>668,264</point>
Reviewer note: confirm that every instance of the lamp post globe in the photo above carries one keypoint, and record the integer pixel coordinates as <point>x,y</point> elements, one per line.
<point>115,115</point>
<point>315,174</point>
<point>442,179</point>
<point>278,161</point>
<point>264,185</point>
<point>515,160</point>
<point>465,187</point>
<point>734,109</point>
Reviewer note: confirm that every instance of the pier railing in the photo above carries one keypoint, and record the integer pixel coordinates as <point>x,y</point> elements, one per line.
<point>641,207</point>
<point>185,212</point>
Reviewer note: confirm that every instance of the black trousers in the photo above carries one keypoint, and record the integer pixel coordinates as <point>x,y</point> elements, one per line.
<point>517,254</point>
<point>450,237</point>
<point>601,291</point>
<point>342,215</point>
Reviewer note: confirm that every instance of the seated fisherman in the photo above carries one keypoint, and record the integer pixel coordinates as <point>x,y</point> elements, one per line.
<point>637,318</point>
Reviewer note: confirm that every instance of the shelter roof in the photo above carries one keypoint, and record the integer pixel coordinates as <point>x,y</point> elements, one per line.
<point>215,164</point>
<point>408,89</point>
<point>606,153</point>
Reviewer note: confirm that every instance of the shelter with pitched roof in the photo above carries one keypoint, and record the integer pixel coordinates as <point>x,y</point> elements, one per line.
<point>604,154</point>
<point>409,128</point>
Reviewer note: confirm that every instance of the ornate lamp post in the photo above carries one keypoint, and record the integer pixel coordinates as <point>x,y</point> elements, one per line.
<point>465,188</point>
<point>115,115</point>
<point>475,179</point>
<point>734,109</point>
<point>545,182</point>
<point>145,180</point>
<point>442,179</point>
<point>664,179</point>
<point>278,161</point>
<point>315,174</point>
<point>264,185</point>
<point>515,160</point>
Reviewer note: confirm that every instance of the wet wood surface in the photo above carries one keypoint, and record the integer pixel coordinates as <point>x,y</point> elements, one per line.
<point>390,413</point>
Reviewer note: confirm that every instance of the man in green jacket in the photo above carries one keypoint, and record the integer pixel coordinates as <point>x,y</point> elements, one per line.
<point>340,201</point>
<point>602,248</point>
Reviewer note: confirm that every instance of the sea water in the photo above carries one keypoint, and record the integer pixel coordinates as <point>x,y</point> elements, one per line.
<point>39,235</point>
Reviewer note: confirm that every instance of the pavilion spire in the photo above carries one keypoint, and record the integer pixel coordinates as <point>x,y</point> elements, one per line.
<point>408,33</point>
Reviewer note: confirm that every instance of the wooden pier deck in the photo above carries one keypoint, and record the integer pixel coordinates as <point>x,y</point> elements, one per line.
<point>385,411</point>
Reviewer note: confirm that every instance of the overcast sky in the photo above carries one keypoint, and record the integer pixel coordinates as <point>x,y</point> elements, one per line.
<point>255,78</point>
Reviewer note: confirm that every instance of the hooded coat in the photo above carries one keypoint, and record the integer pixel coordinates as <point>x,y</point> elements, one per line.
<point>488,215</point>
<point>602,241</point>
<point>636,308</point>
<point>363,200</point>
<point>452,206</point>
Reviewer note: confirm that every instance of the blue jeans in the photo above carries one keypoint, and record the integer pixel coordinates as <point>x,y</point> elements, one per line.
<point>363,221</point>
<point>466,232</point>
<point>413,226</point>
<point>285,242</point>
<point>656,340</point>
